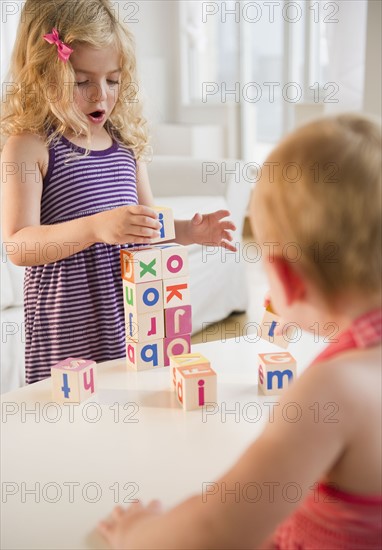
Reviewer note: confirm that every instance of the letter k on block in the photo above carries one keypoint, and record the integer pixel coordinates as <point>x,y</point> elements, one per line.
<point>176,292</point>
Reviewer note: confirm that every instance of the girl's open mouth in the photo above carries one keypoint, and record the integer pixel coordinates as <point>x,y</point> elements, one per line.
<point>98,117</point>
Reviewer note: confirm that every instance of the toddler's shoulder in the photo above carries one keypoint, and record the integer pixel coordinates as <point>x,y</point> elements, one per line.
<point>349,378</point>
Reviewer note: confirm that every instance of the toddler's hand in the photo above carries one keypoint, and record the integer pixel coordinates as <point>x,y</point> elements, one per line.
<point>117,528</point>
<point>126,224</point>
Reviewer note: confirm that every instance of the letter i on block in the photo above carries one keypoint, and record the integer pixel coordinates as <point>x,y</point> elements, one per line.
<point>194,380</point>
<point>166,219</point>
<point>276,372</point>
<point>268,326</point>
<point>73,380</point>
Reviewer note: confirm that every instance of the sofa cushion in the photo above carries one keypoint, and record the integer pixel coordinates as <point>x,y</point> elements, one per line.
<point>7,298</point>
<point>17,279</point>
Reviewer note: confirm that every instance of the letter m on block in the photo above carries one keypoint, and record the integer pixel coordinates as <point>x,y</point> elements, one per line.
<point>280,376</point>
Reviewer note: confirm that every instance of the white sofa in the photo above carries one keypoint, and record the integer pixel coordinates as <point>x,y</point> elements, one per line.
<point>217,280</point>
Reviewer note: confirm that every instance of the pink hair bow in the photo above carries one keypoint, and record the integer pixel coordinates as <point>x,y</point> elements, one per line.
<point>63,50</point>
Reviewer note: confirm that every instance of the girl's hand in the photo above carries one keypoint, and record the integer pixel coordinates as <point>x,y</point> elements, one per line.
<point>126,224</point>
<point>213,229</point>
<point>117,528</point>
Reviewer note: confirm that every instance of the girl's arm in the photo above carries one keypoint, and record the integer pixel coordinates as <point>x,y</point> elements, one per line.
<point>207,229</point>
<point>243,508</point>
<point>27,242</point>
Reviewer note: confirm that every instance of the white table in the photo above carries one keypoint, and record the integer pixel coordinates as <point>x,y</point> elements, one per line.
<point>98,454</point>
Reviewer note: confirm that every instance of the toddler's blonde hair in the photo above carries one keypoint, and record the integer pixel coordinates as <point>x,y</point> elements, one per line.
<point>318,202</point>
<point>35,69</point>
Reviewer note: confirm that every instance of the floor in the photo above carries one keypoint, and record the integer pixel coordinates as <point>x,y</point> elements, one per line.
<point>241,324</point>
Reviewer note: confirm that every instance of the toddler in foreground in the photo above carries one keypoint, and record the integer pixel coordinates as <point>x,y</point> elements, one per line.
<point>333,212</point>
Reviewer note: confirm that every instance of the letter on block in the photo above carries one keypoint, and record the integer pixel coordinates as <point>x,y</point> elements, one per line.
<point>176,292</point>
<point>186,359</point>
<point>145,326</point>
<point>141,265</point>
<point>176,346</point>
<point>144,355</point>
<point>268,325</point>
<point>73,380</point>
<point>196,382</point>
<point>143,297</point>
<point>178,320</point>
<point>174,260</point>
<point>276,371</point>
<point>166,219</point>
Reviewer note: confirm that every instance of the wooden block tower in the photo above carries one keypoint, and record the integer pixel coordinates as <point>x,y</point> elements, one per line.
<point>156,300</point>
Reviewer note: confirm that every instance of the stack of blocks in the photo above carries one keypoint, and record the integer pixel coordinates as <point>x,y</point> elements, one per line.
<point>277,366</point>
<point>156,298</point>
<point>193,380</point>
<point>73,380</point>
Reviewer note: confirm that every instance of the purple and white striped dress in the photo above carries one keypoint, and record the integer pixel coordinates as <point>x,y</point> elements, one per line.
<point>74,307</point>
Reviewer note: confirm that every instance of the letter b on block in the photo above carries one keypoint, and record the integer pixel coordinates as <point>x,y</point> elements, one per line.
<point>144,355</point>
<point>276,371</point>
<point>73,380</point>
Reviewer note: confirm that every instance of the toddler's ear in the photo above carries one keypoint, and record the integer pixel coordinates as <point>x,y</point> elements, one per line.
<point>290,279</point>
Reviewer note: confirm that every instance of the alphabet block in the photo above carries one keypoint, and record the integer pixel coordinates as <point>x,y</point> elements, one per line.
<point>166,219</point>
<point>276,371</point>
<point>178,320</point>
<point>185,359</point>
<point>144,327</point>
<point>176,292</point>
<point>268,325</point>
<point>141,265</point>
<point>176,346</point>
<point>195,380</point>
<point>143,297</point>
<point>144,355</point>
<point>174,260</point>
<point>73,380</point>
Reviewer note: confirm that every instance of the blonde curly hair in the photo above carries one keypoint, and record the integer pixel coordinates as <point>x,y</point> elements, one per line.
<point>35,71</point>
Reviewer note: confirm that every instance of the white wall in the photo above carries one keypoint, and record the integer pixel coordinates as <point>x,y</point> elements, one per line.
<point>154,24</point>
<point>372,99</point>
<point>10,16</point>
<point>156,34</point>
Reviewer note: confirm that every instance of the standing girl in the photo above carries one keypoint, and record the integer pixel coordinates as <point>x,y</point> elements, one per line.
<point>76,189</point>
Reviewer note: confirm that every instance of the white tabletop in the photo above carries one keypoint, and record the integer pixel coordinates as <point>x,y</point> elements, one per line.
<point>130,441</point>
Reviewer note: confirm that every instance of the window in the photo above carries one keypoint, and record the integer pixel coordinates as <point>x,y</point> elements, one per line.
<point>265,55</point>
